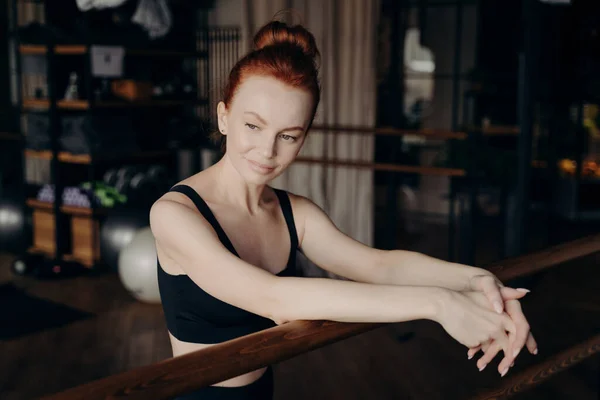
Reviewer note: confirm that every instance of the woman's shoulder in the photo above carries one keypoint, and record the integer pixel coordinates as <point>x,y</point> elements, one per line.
<point>304,209</point>
<point>300,202</point>
<point>198,182</point>
<point>179,205</point>
<point>173,200</point>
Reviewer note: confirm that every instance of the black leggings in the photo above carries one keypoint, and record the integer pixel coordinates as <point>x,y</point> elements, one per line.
<point>261,389</point>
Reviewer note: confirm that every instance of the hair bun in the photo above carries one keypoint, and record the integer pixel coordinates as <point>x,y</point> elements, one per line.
<point>279,33</point>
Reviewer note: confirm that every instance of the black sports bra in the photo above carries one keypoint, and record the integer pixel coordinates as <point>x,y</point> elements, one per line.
<point>192,315</point>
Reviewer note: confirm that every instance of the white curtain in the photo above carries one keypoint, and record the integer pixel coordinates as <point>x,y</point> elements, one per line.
<point>345,31</point>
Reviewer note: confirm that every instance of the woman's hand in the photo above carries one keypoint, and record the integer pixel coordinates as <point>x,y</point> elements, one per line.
<point>472,323</point>
<point>522,337</point>
<point>488,284</point>
<point>495,291</point>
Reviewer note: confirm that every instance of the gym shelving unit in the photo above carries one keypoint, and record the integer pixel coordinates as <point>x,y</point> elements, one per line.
<point>536,190</point>
<point>60,252</point>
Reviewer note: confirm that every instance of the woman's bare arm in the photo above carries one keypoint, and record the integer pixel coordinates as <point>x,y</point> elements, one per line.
<point>329,248</point>
<point>346,301</point>
<point>188,239</point>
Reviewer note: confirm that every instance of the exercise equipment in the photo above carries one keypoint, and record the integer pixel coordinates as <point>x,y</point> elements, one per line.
<point>118,230</point>
<point>137,267</point>
<point>140,186</point>
<point>15,223</point>
<point>41,267</point>
<point>85,195</point>
<point>26,264</point>
<point>107,195</point>
<point>158,173</point>
<point>110,177</point>
<point>50,269</point>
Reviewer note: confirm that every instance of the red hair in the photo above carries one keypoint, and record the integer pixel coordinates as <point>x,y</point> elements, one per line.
<point>287,53</point>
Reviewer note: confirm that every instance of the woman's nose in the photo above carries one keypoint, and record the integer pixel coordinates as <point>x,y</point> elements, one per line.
<point>268,147</point>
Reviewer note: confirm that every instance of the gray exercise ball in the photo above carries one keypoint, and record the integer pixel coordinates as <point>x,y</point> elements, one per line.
<point>15,224</point>
<point>138,269</point>
<point>118,231</point>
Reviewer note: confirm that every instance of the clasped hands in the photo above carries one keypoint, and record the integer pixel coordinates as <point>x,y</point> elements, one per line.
<point>489,292</point>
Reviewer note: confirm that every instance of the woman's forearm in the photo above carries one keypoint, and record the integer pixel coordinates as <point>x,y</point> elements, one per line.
<point>348,301</point>
<point>410,268</point>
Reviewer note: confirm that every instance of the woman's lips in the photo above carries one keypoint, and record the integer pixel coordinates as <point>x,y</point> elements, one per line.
<point>262,168</point>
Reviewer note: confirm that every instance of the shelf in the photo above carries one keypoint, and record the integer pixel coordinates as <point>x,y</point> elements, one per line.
<point>35,49</point>
<point>495,130</point>
<point>71,210</point>
<point>86,159</point>
<point>65,104</point>
<point>166,53</point>
<point>149,103</point>
<point>84,104</point>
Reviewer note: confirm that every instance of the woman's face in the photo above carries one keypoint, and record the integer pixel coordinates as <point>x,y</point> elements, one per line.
<point>266,126</point>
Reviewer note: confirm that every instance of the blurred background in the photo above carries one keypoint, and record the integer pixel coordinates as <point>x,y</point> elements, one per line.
<point>467,130</point>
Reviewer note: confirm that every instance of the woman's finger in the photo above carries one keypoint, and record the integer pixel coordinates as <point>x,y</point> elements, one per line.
<point>531,344</point>
<point>512,294</point>
<point>514,310</point>
<point>488,356</point>
<point>508,324</point>
<point>485,346</point>
<point>509,357</point>
<point>492,292</point>
<point>472,351</point>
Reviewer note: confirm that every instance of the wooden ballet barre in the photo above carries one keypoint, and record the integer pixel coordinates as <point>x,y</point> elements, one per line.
<point>184,374</point>
<point>388,131</point>
<point>529,264</point>
<point>410,169</point>
<point>535,375</point>
<point>175,376</point>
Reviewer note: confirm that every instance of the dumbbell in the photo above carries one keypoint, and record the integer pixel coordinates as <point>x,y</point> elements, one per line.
<point>26,264</point>
<point>110,177</point>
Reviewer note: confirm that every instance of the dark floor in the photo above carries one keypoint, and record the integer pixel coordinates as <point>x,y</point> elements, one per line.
<point>106,332</point>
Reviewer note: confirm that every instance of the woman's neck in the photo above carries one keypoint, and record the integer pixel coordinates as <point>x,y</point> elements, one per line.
<point>231,188</point>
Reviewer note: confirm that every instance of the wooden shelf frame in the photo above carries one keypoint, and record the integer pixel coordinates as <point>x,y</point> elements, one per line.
<point>70,210</point>
<point>86,159</point>
<point>44,104</point>
<point>80,49</point>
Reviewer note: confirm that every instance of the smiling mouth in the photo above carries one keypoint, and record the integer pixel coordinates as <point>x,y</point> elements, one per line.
<point>261,167</point>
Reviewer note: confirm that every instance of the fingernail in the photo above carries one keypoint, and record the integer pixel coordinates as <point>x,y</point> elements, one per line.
<point>504,372</point>
<point>482,368</point>
<point>524,290</point>
<point>535,351</point>
<point>516,353</point>
<point>498,307</point>
<point>470,356</point>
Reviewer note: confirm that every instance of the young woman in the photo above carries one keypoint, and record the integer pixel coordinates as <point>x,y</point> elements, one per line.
<point>227,241</point>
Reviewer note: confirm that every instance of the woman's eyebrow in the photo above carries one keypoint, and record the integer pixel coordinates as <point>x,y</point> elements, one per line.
<point>262,121</point>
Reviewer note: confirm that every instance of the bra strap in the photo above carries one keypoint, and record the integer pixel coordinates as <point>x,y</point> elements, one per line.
<point>206,213</point>
<point>288,214</point>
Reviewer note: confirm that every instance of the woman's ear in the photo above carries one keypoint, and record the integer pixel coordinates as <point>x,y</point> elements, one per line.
<point>222,117</point>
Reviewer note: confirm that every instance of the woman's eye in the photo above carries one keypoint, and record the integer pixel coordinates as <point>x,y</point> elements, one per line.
<point>288,137</point>
<point>252,127</point>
